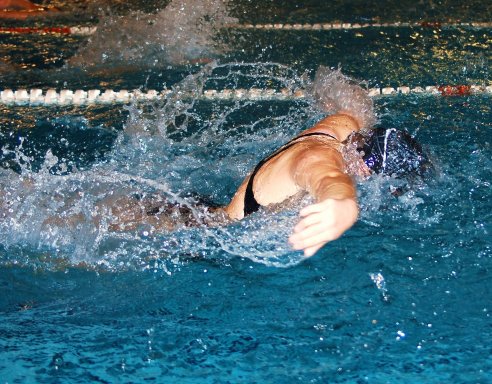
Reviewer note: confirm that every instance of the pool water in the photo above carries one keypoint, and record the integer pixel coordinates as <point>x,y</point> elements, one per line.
<point>403,297</point>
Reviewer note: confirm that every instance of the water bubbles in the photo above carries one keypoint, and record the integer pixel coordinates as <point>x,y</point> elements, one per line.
<point>400,335</point>
<point>378,279</point>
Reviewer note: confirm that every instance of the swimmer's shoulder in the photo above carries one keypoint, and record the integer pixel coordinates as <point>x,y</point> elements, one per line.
<point>339,125</point>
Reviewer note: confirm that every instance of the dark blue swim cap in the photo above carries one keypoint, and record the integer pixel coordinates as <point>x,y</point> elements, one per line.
<point>394,152</point>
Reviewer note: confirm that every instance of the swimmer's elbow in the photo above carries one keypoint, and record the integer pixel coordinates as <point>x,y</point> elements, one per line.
<point>233,211</point>
<point>337,187</point>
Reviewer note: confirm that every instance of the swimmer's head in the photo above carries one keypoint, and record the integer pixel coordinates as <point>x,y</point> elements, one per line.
<point>394,152</point>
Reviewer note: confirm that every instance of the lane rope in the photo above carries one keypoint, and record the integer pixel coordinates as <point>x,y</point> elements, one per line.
<point>76,31</point>
<point>347,26</point>
<point>97,96</point>
<point>87,31</point>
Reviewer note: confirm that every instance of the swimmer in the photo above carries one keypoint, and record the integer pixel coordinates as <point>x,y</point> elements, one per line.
<point>318,161</point>
<point>321,161</point>
<point>22,9</point>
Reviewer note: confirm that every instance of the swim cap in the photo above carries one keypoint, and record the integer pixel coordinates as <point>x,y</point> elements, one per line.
<point>394,152</point>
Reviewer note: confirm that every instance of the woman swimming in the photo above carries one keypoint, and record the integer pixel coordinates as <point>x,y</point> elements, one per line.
<point>320,161</point>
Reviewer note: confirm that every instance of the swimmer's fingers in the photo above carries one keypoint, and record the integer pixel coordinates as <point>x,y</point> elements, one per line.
<point>307,221</point>
<point>312,238</point>
<point>308,252</point>
<point>309,227</point>
<point>313,208</point>
<point>323,222</point>
<point>310,215</point>
<point>311,250</point>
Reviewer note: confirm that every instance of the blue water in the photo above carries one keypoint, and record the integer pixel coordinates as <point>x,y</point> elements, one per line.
<point>403,297</point>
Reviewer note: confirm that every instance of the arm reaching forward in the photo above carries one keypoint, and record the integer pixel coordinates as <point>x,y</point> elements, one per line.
<point>320,172</point>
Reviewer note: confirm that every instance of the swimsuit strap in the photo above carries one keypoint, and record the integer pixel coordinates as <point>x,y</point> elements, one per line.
<point>250,203</point>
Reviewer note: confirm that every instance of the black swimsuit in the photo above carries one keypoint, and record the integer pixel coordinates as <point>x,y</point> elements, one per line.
<point>250,203</point>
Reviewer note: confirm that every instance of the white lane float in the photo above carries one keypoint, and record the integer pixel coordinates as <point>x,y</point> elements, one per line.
<point>51,96</point>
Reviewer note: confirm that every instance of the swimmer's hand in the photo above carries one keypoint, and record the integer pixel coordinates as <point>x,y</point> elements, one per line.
<point>321,223</point>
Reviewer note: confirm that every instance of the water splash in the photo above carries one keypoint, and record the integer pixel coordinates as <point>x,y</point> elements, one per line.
<point>186,30</point>
<point>171,150</point>
<point>262,239</point>
<point>334,92</point>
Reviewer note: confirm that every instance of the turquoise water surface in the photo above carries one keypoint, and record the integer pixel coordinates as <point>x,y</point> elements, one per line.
<point>403,297</point>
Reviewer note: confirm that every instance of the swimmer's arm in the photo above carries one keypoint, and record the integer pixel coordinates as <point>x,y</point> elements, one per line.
<point>335,211</point>
<point>235,209</point>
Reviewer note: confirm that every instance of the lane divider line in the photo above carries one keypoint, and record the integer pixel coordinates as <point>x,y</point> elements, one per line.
<point>51,96</point>
<point>346,26</point>
<point>87,31</point>
<point>76,31</point>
